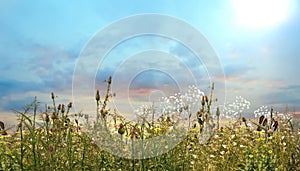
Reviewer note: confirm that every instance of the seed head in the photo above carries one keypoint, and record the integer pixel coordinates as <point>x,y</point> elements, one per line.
<point>53,116</point>
<point>121,129</point>
<point>218,111</point>
<point>70,105</point>
<point>261,119</point>
<point>2,125</point>
<point>52,96</point>
<point>97,96</point>
<point>275,126</point>
<point>244,119</point>
<point>259,128</point>
<point>47,119</point>
<point>109,80</point>
<point>265,122</point>
<point>203,101</point>
<point>206,99</point>
<point>62,108</point>
<point>103,113</point>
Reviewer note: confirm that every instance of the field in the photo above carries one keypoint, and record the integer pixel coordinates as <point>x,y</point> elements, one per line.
<point>55,139</point>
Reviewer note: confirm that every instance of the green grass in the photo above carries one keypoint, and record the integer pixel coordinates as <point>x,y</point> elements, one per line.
<point>54,139</point>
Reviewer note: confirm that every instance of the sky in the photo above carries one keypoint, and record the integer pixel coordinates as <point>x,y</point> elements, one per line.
<point>44,47</point>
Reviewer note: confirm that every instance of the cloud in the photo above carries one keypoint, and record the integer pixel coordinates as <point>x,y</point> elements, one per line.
<point>9,118</point>
<point>234,70</point>
<point>29,70</point>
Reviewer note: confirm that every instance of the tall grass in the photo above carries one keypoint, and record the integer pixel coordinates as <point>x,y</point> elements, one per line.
<point>54,139</point>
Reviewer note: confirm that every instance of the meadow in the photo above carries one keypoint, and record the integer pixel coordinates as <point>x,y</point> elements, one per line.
<point>56,139</point>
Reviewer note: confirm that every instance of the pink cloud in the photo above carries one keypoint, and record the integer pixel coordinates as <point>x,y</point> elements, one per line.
<point>141,91</point>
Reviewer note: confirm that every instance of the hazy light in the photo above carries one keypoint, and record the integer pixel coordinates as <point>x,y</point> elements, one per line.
<point>260,13</point>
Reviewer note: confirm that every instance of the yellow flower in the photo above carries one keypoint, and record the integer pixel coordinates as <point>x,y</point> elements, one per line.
<point>157,129</point>
<point>270,151</point>
<point>250,156</point>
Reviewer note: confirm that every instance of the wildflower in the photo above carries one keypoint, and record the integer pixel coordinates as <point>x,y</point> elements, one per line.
<point>234,143</point>
<point>224,146</point>
<point>157,129</point>
<point>212,156</point>
<point>262,111</point>
<point>270,151</point>
<point>94,144</point>
<point>134,133</point>
<point>242,146</point>
<point>250,156</point>
<point>51,148</point>
<point>222,152</point>
<point>270,131</point>
<point>234,110</point>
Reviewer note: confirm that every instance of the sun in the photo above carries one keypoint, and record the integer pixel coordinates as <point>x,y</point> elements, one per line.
<point>260,13</point>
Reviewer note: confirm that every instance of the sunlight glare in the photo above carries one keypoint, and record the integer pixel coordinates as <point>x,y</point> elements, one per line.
<point>260,13</point>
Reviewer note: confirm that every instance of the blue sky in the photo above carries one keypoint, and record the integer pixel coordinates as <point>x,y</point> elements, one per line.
<point>41,42</point>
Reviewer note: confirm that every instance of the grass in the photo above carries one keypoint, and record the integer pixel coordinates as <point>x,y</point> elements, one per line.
<point>55,139</point>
